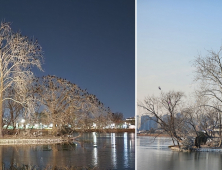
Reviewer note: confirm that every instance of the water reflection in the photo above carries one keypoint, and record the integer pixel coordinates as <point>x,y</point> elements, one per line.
<point>94,150</point>
<point>125,150</point>
<point>157,156</point>
<point>94,139</point>
<point>113,149</point>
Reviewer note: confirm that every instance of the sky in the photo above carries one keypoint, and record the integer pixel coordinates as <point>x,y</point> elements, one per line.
<point>170,34</point>
<point>90,43</point>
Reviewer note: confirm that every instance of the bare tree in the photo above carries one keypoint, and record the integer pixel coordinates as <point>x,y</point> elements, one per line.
<point>166,109</point>
<point>86,110</point>
<point>56,95</point>
<point>209,73</point>
<point>66,104</point>
<point>17,55</point>
<point>12,110</point>
<point>200,118</point>
<point>117,118</point>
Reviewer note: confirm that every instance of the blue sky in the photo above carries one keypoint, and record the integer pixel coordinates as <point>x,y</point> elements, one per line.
<point>90,43</point>
<point>169,36</point>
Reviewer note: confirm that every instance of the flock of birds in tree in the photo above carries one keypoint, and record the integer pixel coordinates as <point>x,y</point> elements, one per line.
<point>26,51</point>
<point>61,85</point>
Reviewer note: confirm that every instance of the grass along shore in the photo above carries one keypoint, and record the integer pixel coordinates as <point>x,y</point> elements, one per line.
<point>153,134</point>
<point>44,136</point>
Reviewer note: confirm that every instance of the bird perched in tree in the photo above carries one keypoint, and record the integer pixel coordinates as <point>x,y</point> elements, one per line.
<point>159,88</point>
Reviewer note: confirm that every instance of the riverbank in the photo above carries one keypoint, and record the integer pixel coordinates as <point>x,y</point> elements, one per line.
<point>153,134</point>
<point>31,141</point>
<point>203,148</point>
<point>107,130</point>
<point>49,131</point>
<point>36,136</point>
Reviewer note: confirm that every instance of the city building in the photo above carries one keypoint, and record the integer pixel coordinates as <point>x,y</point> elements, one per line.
<point>147,123</point>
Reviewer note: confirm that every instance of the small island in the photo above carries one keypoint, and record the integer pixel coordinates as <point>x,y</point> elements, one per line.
<point>47,109</point>
<point>190,121</point>
<point>202,143</point>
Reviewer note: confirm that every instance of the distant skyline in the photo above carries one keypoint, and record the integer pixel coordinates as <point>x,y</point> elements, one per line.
<point>170,34</point>
<point>89,43</point>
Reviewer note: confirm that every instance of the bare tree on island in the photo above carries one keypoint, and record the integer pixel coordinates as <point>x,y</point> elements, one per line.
<point>18,54</point>
<point>203,114</point>
<point>166,109</point>
<point>209,73</point>
<point>199,117</point>
<point>67,105</point>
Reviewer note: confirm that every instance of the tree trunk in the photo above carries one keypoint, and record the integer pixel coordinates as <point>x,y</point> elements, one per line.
<point>54,128</point>
<point>1,107</point>
<point>173,140</point>
<point>178,143</point>
<point>54,131</point>
<point>220,129</point>
<point>1,158</point>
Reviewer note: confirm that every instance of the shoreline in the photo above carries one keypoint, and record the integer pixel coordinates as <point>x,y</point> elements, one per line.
<point>49,139</point>
<point>193,149</point>
<point>49,131</point>
<point>204,148</point>
<point>153,134</point>
<point>107,130</point>
<point>32,141</point>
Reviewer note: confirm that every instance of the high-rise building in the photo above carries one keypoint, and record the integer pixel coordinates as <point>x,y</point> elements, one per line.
<point>148,123</point>
<point>138,122</point>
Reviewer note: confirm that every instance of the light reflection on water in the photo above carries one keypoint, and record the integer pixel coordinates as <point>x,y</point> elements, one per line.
<point>95,157</point>
<point>113,149</point>
<point>95,153</point>
<point>125,150</point>
<point>157,156</point>
<point>100,150</point>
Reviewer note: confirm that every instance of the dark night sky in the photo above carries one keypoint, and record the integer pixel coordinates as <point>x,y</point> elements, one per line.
<point>89,42</point>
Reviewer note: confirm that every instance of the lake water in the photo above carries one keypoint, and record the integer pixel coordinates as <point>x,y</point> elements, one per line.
<point>155,155</point>
<point>94,150</point>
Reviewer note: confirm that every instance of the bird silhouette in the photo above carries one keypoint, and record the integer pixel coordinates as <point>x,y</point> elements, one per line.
<point>159,88</point>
